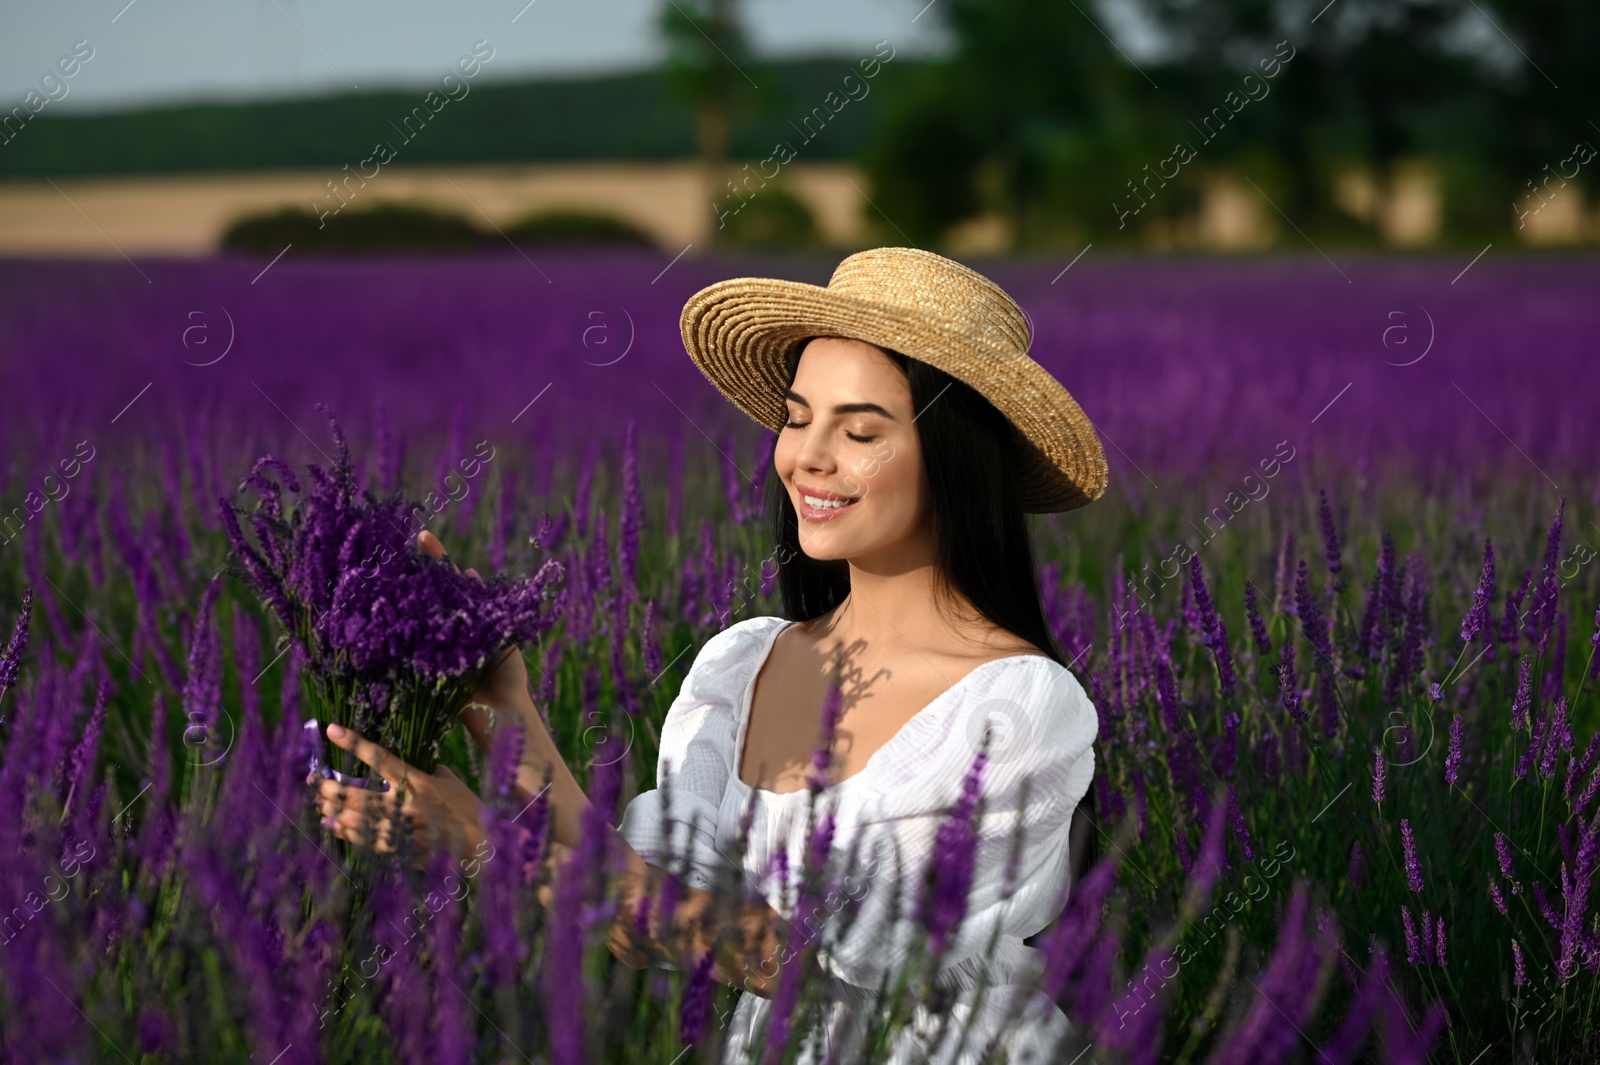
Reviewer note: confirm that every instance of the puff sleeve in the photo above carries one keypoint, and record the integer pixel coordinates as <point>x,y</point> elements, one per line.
<point>679,820</point>
<point>1044,727</point>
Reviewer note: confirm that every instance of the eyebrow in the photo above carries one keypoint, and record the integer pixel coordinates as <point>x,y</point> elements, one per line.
<point>844,408</point>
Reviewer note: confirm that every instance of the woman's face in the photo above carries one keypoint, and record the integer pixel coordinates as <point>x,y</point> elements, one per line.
<point>850,459</point>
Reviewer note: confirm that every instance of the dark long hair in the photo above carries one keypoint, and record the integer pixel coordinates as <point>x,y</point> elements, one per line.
<point>982,545</point>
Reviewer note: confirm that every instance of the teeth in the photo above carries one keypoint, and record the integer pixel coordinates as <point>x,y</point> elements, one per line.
<point>826,504</point>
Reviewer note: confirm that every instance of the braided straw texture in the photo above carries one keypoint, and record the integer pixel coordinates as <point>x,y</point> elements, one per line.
<point>919,304</point>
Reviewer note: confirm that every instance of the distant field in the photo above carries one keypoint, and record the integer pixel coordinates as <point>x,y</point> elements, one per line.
<point>184,214</point>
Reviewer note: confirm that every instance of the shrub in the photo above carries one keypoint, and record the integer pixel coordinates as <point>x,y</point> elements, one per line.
<point>771,218</point>
<point>384,227</point>
<point>575,226</point>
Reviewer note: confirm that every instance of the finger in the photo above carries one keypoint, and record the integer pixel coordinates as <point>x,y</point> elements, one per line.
<point>430,545</point>
<point>474,574</point>
<point>385,764</point>
<point>434,548</point>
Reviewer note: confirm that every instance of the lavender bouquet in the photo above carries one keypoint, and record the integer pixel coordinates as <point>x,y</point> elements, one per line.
<point>393,642</point>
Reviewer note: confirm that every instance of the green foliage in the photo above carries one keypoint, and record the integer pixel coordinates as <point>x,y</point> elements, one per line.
<point>922,164</point>
<point>773,217</point>
<point>574,226</point>
<point>1041,118</point>
<point>398,227</point>
<point>383,227</point>
<point>633,116</point>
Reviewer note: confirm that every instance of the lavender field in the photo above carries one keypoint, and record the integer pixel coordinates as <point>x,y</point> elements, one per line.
<point>1337,611</point>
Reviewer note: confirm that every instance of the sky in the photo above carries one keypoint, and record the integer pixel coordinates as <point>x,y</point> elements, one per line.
<point>166,51</point>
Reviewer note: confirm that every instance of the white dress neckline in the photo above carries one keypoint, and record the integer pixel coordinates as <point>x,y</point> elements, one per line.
<point>748,698</point>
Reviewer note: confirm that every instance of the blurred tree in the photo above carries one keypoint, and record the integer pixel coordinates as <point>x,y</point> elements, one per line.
<point>986,129</point>
<point>709,64</point>
<point>1365,85</point>
<point>1039,114</point>
<point>1544,104</point>
<point>773,218</point>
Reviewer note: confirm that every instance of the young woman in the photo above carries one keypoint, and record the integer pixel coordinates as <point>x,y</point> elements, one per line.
<point>914,433</point>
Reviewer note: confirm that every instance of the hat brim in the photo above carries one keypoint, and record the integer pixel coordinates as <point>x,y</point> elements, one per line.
<point>739,332</point>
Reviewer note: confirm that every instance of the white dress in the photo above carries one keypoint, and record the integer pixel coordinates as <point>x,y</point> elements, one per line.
<point>1044,725</point>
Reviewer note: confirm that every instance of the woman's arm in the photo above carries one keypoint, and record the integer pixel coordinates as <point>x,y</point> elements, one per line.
<point>748,946</point>
<point>748,939</point>
<point>511,703</point>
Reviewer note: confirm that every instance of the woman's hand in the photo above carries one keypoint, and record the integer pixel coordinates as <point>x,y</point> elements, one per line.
<point>439,805</point>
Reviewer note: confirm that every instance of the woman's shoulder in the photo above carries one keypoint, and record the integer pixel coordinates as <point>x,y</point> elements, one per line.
<point>727,658</point>
<point>1027,672</point>
<point>1030,699</point>
<point>703,718</point>
<point>739,640</point>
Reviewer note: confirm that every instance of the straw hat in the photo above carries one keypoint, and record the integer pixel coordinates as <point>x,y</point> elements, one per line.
<point>919,304</point>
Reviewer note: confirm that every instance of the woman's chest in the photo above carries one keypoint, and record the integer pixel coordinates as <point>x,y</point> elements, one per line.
<point>783,728</point>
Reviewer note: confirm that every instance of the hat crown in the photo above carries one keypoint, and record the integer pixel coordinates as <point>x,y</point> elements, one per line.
<point>936,289</point>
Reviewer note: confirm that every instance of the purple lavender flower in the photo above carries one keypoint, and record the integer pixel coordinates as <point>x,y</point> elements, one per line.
<point>1373,632</point>
<point>944,900</point>
<point>1452,761</point>
<point>1440,948</point>
<point>1352,1034</point>
<point>822,757</point>
<point>1289,682</point>
<point>1409,845</point>
<point>1214,631</point>
<point>11,658</point>
<point>1550,583</point>
<point>1182,840</point>
<point>1167,695</point>
<point>1310,616</point>
<point>632,509</point>
<point>1413,946</point>
<point>1594,647</point>
<point>1497,897</point>
<point>694,1016</point>
<point>394,638</point>
<point>1511,620</point>
<point>1503,848</point>
<point>1280,576</point>
<point>1535,744</point>
<point>1240,832</point>
<point>202,692</point>
<point>1258,627</point>
<point>1477,618</point>
<point>652,641</point>
<point>1575,893</point>
<point>81,763</point>
<point>1519,705</point>
<point>1557,736</point>
<point>1330,536</point>
<point>763,467</point>
<point>1520,967</point>
<point>1577,767</point>
<point>1358,864</point>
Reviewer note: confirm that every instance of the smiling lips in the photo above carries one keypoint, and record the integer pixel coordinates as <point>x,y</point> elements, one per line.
<point>818,505</point>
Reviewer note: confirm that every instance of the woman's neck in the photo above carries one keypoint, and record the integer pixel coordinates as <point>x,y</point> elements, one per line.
<point>896,608</point>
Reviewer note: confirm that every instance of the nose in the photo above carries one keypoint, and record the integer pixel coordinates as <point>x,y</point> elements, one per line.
<point>815,454</point>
